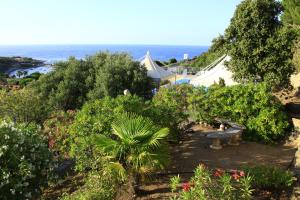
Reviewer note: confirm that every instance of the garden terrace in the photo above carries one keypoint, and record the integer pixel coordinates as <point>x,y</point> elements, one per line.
<point>194,149</point>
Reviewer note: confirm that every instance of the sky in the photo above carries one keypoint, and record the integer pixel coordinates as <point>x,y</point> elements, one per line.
<point>165,22</point>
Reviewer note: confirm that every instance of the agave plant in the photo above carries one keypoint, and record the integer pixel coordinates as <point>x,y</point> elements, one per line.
<point>136,143</point>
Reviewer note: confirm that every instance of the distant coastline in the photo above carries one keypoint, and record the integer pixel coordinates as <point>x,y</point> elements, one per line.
<point>9,64</point>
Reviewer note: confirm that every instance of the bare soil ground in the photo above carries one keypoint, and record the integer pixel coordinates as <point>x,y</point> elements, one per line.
<point>194,149</point>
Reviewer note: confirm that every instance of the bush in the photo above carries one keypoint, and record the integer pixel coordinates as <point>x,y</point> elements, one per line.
<point>23,106</point>
<point>99,185</point>
<point>24,161</point>
<point>95,118</point>
<point>216,185</point>
<point>56,129</point>
<point>252,105</point>
<point>169,108</point>
<point>270,177</point>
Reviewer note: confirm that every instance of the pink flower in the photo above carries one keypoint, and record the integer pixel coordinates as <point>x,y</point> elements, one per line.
<point>242,173</point>
<point>186,187</point>
<point>235,177</point>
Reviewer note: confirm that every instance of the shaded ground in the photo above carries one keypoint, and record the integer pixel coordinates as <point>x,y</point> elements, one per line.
<point>194,149</point>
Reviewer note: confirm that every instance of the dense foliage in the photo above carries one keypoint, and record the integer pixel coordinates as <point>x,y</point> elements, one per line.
<point>136,143</point>
<point>22,106</point>
<point>169,108</point>
<point>270,177</point>
<point>259,45</point>
<point>213,185</point>
<point>24,161</point>
<point>291,13</point>
<point>252,105</point>
<point>104,74</point>
<point>56,129</point>
<point>96,118</point>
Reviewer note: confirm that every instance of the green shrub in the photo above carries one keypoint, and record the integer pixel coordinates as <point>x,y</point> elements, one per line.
<point>24,161</point>
<point>98,186</point>
<point>208,185</point>
<point>270,177</point>
<point>22,106</point>
<point>169,108</point>
<point>252,105</point>
<point>96,118</point>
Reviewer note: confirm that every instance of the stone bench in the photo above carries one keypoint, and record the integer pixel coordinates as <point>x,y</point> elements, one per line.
<point>232,133</point>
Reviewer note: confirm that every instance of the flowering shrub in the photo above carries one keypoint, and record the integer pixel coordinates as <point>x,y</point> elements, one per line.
<point>24,161</point>
<point>56,129</point>
<point>213,185</point>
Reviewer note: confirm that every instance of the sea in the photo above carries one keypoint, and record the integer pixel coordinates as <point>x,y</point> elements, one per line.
<point>54,53</point>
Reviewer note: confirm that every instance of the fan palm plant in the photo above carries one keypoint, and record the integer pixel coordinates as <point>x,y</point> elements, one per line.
<point>137,144</point>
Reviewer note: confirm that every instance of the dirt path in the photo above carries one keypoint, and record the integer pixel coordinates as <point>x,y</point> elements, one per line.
<point>194,149</point>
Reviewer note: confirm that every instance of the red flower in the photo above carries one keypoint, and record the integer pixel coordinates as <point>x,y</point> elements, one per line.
<point>218,173</point>
<point>186,187</point>
<point>235,176</point>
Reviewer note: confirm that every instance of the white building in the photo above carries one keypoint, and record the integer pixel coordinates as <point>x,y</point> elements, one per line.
<point>212,73</point>
<point>153,70</point>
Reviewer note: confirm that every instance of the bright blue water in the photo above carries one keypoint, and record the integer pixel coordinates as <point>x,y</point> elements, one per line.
<point>54,53</point>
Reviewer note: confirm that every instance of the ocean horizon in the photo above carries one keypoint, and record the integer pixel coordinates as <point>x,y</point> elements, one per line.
<point>53,53</point>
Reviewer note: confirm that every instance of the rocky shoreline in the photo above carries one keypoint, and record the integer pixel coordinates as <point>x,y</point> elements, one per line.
<point>9,64</point>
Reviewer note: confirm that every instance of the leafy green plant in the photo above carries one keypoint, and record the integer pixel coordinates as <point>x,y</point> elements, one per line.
<point>169,108</point>
<point>137,144</point>
<point>24,161</point>
<point>213,185</point>
<point>23,106</point>
<point>270,177</point>
<point>100,184</point>
<point>95,118</point>
<point>251,105</point>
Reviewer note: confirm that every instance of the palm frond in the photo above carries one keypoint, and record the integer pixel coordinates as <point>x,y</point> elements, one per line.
<point>104,143</point>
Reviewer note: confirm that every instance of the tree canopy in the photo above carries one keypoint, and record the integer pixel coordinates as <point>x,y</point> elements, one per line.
<point>259,45</point>
<point>104,74</point>
<point>291,13</point>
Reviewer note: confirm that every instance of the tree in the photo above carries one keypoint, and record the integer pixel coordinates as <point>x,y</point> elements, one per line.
<point>113,73</point>
<point>260,47</point>
<point>22,106</point>
<point>138,145</point>
<point>75,81</point>
<point>19,73</point>
<point>172,61</point>
<point>291,13</point>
